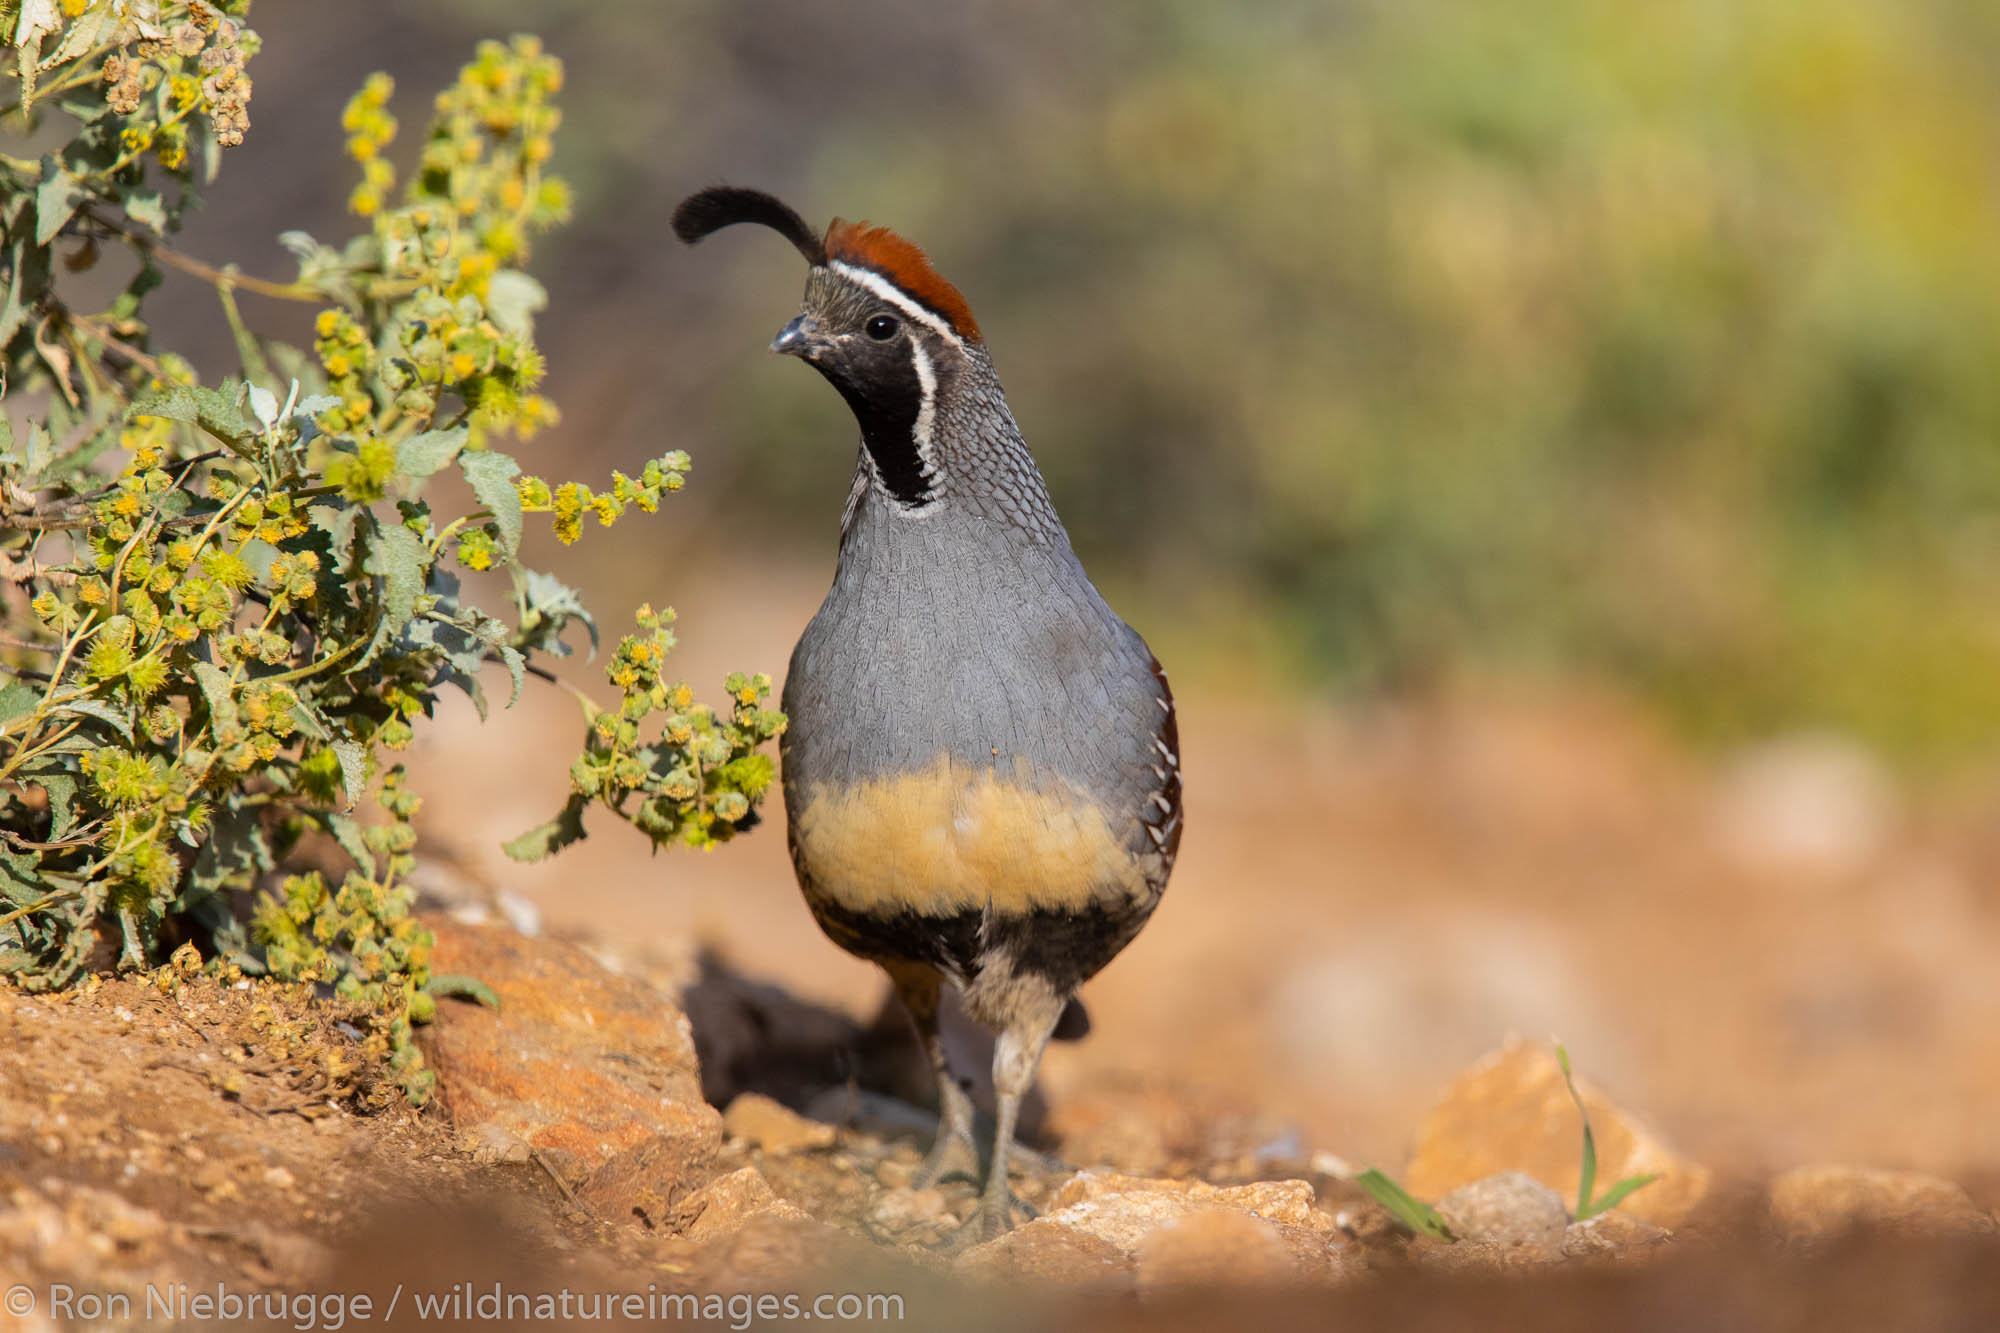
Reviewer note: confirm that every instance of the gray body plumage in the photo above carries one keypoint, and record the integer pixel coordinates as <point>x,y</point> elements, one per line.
<point>969,627</point>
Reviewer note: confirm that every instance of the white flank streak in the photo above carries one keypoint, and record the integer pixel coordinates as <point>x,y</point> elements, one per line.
<point>894,295</point>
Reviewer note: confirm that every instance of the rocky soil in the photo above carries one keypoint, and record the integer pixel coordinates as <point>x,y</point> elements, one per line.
<point>202,1135</point>
<point>1775,978</point>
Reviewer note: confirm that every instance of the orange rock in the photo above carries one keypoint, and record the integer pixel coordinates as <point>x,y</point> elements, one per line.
<point>650,1183</point>
<point>1817,1201</point>
<point>578,1059</point>
<point>771,1125</point>
<point>1512,1112</point>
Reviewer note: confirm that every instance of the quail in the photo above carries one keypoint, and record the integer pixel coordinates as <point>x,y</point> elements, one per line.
<point>982,769</point>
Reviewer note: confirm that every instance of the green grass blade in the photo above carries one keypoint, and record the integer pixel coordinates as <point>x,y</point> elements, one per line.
<point>1406,1208</point>
<point>1615,1195</point>
<point>1587,1174</point>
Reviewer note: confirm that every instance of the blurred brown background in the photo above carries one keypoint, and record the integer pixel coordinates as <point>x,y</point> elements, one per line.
<point>1555,449</point>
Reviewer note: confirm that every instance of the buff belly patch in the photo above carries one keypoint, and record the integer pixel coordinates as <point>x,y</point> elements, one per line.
<point>948,838</point>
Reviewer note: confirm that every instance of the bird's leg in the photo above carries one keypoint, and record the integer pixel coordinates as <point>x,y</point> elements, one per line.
<point>955,1153</point>
<point>1016,1056</point>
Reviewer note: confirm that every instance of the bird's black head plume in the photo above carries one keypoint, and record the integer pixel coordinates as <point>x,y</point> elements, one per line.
<point>722,206</point>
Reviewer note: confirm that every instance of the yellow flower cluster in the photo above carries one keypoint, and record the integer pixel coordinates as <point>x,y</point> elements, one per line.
<point>568,503</point>
<point>454,247</point>
<point>370,128</point>
<point>704,773</point>
<point>347,356</point>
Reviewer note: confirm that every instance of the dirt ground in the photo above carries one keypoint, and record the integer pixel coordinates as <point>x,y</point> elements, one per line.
<point>1779,959</point>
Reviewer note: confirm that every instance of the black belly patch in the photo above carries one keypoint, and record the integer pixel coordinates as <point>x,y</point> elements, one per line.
<point>1065,948</point>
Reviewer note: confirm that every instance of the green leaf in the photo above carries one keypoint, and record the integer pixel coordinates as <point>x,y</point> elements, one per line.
<point>468,637</point>
<point>146,206</point>
<point>40,448</point>
<point>55,201</point>
<point>29,268</point>
<point>307,719</point>
<point>517,669</point>
<point>263,405</point>
<point>16,699</point>
<point>492,477</point>
<point>421,455</point>
<point>472,988</point>
<point>546,840</point>
<point>61,789</point>
<point>353,770</point>
<point>235,852</point>
<point>513,297</point>
<point>347,833</point>
<point>1411,1211</point>
<point>218,690</point>
<point>548,605</point>
<point>19,881</point>
<point>103,712</point>
<point>395,553</point>
<point>214,410</point>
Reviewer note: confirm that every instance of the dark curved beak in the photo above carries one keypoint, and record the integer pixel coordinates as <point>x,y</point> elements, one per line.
<point>800,338</point>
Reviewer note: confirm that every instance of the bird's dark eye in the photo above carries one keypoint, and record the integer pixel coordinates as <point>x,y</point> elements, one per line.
<point>881,328</point>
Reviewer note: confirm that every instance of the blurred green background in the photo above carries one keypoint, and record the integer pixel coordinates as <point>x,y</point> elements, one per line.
<point>1387,345</point>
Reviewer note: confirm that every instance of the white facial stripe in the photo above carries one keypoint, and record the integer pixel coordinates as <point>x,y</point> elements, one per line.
<point>888,291</point>
<point>927,413</point>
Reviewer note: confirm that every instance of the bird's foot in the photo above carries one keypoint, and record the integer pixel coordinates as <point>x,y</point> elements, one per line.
<point>995,1217</point>
<point>954,1155</point>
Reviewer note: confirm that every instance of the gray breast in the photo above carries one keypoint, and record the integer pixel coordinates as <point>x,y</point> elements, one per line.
<point>951,635</point>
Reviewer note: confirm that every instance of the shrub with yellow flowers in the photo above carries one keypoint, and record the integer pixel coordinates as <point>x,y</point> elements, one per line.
<point>225,606</point>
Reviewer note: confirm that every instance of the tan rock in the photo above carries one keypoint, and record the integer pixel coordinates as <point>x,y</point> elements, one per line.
<point>766,1123</point>
<point>1048,1252</point>
<point>1123,1220</point>
<point>1511,1208</point>
<point>1817,1201</point>
<point>728,1203</point>
<point>1290,1202</point>
<point>1481,1256</point>
<point>1271,1227</point>
<point>781,1247</point>
<point>1512,1112</point>
<point>902,1208</point>
<point>1613,1235</point>
<point>1213,1247</point>
<point>577,1060</point>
